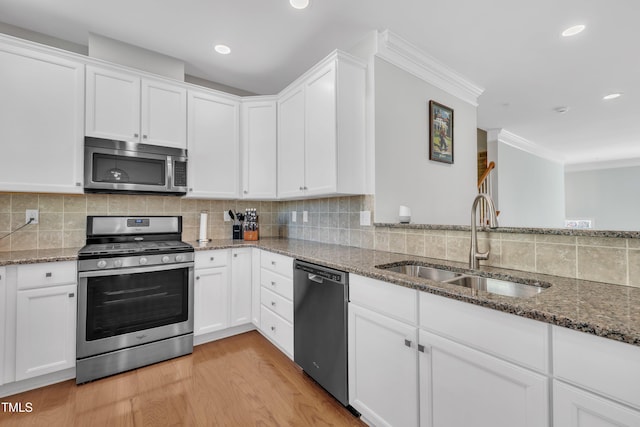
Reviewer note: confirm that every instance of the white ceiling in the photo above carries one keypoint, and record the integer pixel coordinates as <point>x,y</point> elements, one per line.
<point>512,48</point>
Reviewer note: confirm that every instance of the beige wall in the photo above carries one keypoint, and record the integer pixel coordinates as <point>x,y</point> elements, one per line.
<point>63,217</point>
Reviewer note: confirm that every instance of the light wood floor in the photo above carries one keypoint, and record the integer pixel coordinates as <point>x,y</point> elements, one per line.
<point>239,381</point>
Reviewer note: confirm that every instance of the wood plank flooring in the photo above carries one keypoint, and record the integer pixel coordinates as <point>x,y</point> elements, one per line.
<point>238,381</point>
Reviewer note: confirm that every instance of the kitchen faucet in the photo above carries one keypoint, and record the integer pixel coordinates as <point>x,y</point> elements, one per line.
<point>474,255</point>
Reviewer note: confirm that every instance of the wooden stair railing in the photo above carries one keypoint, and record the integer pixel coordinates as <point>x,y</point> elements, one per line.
<point>484,186</point>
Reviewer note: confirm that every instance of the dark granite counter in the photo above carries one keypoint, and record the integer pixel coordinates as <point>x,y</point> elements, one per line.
<point>606,310</point>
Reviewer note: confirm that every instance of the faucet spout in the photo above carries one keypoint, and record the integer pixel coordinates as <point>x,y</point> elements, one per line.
<point>474,255</point>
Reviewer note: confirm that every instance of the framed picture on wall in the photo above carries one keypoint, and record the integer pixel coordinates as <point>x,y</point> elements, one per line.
<point>440,133</point>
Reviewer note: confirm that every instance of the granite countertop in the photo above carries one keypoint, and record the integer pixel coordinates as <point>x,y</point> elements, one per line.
<point>606,310</point>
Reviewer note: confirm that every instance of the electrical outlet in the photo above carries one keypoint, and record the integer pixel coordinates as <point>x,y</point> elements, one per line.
<point>226,216</point>
<point>365,217</point>
<point>305,216</point>
<point>32,213</point>
<point>294,216</point>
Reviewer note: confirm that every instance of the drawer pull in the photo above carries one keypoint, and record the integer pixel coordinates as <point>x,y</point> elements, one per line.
<point>273,303</point>
<point>421,348</point>
<point>197,277</point>
<point>235,255</point>
<point>71,295</point>
<point>407,342</point>
<point>273,328</point>
<point>273,263</point>
<point>273,283</point>
<point>211,259</point>
<point>48,274</point>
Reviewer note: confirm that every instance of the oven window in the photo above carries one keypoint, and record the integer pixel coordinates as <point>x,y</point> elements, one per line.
<point>128,170</point>
<point>127,303</point>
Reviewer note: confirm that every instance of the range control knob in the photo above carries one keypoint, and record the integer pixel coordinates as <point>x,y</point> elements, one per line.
<point>117,263</point>
<point>102,263</point>
<point>165,259</point>
<point>143,260</point>
<point>179,258</point>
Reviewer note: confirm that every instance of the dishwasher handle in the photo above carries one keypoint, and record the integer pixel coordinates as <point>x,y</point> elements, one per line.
<point>315,278</point>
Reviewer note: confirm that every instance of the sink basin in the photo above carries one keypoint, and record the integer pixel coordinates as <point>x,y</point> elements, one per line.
<point>495,286</point>
<point>475,283</point>
<point>425,272</point>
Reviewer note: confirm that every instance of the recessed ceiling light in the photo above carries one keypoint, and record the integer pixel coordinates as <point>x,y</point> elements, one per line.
<point>222,49</point>
<point>299,4</point>
<point>561,110</point>
<point>572,31</point>
<point>612,96</point>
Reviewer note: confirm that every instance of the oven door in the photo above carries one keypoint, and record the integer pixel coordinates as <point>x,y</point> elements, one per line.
<point>132,306</point>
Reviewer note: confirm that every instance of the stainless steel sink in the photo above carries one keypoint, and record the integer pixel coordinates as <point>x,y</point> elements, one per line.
<point>475,283</point>
<point>495,286</point>
<point>431,273</point>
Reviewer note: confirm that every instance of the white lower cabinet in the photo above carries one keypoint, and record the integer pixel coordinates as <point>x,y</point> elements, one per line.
<point>460,386</point>
<point>3,311</point>
<point>383,373</point>
<point>45,330</point>
<point>573,407</point>
<point>241,286</point>
<point>211,292</point>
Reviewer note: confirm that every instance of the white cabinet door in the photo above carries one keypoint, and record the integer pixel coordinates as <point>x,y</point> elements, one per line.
<point>291,134</point>
<point>163,114</point>
<point>45,330</point>
<point>573,407</point>
<point>112,104</point>
<point>3,310</point>
<point>259,149</point>
<point>255,286</point>
<point>462,387</point>
<point>383,368</point>
<point>213,145</point>
<point>41,122</point>
<point>320,132</point>
<point>211,300</point>
<point>241,286</point>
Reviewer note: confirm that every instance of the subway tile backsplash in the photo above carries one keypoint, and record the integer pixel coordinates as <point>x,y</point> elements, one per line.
<point>62,224</point>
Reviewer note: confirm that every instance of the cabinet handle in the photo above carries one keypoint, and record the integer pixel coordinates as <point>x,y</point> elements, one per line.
<point>191,190</point>
<point>273,263</point>
<point>301,188</point>
<point>144,136</point>
<point>235,255</point>
<point>197,277</point>
<point>71,295</point>
<point>245,192</point>
<point>211,259</point>
<point>135,135</point>
<point>273,283</point>
<point>78,184</point>
<point>407,342</point>
<point>273,328</point>
<point>421,348</point>
<point>48,274</point>
<point>273,303</point>
<point>305,188</point>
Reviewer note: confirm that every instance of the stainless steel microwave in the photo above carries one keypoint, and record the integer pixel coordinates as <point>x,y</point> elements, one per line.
<point>112,166</point>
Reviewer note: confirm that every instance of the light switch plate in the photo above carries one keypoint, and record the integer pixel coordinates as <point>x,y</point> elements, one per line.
<point>305,216</point>
<point>226,216</point>
<point>32,213</point>
<point>365,217</point>
<point>294,216</point>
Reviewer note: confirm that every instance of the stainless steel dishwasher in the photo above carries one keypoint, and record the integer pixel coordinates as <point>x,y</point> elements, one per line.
<point>320,297</point>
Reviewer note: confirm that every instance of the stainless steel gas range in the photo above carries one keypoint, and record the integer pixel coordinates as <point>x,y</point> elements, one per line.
<point>135,294</point>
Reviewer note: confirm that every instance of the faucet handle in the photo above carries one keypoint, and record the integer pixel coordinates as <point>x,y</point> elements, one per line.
<point>482,255</point>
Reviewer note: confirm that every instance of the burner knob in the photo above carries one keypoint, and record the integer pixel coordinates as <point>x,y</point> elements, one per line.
<point>143,260</point>
<point>165,259</point>
<point>102,263</point>
<point>179,258</point>
<point>117,263</point>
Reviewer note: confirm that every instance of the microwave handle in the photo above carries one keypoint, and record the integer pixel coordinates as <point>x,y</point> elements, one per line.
<point>169,173</point>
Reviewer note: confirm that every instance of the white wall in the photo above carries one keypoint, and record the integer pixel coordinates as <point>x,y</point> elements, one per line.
<point>437,193</point>
<point>609,197</point>
<point>530,189</point>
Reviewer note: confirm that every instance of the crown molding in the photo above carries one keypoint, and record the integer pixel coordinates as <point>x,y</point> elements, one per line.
<point>523,144</point>
<point>411,59</point>
<point>606,164</point>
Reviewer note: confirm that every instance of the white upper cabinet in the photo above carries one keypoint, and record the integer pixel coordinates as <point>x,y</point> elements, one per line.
<point>128,107</point>
<point>321,131</point>
<point>213,145</point>
<point>259,145</point>
<point>41,121</point>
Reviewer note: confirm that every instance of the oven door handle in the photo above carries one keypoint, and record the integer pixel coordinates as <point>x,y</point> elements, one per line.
<point>134,270</point>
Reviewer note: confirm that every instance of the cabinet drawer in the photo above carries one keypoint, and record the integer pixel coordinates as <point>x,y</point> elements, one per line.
<point>514,338</point>
<point>278,329</point>
<point>277,263</point>
<point>279,284</point>
<point>46,274</point>
<point>208,259</point>
<point>385,298</point>
<point>277,304</point>
<point>599,364</point>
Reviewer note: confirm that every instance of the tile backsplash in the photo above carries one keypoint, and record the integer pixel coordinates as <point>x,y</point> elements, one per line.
<point>62,224</point>
<point>62,217</point>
